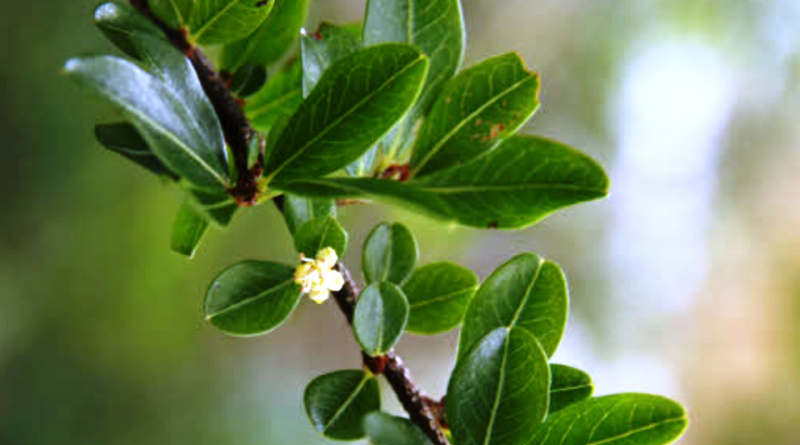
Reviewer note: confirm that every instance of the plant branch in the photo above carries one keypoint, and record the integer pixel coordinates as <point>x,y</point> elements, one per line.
<point>238,133</point>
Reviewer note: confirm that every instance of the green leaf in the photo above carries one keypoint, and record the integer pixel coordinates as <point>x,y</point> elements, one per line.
<point>248,80</point>
<point>389,254</point>
<point>498,393</point>
<point>438,295</point>
<point>252,297</point>
<point>174,13</point>
<point>272,39</point>
<point>337,403</point>
<point>568,386</point>
<point>319,50</point>
<point>225,21</point>
<point>526,292</point>
<point>218,208</point>
<point>514,186</point>
<point>281,96</point>
<point>123,138</point>
<point>385,429</point>
<point>119,23</point>
<point>478,109</point>
<point>380,317</point>
<point>356,102</point>
<point>297,210</point>
<point>622,419</point>
<point>319,233</point>
<point>188,231</point>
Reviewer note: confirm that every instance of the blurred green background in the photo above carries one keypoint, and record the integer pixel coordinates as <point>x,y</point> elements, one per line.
<point>686,282</point>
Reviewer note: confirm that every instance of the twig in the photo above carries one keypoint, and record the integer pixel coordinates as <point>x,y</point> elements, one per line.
<point>238,133</point>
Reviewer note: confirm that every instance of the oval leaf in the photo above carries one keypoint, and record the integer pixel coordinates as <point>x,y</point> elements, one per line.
<point>622,419</point>
<point>252,297</point>
<point>499,391</point>
<point>337,403</point>
<point>526,292</point>
<point>478,109</point>
<point>188,230</point>
<point>568,386</point>
<point>357,101</point>
<point>224,21</point>
<point>390,254</point>
<point>327,45</point>
<point>120,22</point>
<point>174,13</point>
<point>438,295</point>
<point>297,210</point>
<point>123,138</point>
<point>280,97</point>
<point>385,429</point>
<point>380,317</point>
<point>319,233</point>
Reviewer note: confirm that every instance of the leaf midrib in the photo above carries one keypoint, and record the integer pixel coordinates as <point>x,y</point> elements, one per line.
<point>214,19</point>
<point>638,430</point>
<point>500,384</point>
<point>249,300</point>
<point>440,298</point>
<point>346,403</point>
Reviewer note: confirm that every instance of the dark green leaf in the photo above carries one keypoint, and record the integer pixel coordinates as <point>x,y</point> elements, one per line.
<point>188,231</point>
<point>319,233</point>
<point>174,13</point>
<point>385,429</point>
<point>526,292</point>
<point>380,317</point>
<point>337,403</point>
<point>119,22</point>
<point>478,109</point>
<point>225,21</point>
<point>514,186</point>
<point>218,208</point>
<point>622,419</point>
<point>252,297</point>
<point>390,254</point>
<point>438,295</point>
<point>281,96</point>
<point>568,386</point>
<point>498,393</point>
<point>319,50</point>
<point>297,210</point>
<point>123,138</point>
<point>272,39</point>
<point>248,80</point>
<point>356,102</point>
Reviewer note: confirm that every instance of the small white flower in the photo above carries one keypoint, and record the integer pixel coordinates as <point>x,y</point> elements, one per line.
<point>317,276</point>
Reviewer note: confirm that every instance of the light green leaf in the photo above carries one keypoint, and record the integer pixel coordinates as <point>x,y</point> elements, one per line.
<point>389,254</point>
<point>123,138</point>
<point>385,429</point>
<point>188,231</point>
<point>272,39</point>
<point>319,233</point>
<point>175,13</point>
<point>380,317</point>
<point>568,386</point>
<point>526,292</point>
<point>513,186</point>
<point>319,50</point>
<point>359,98</point>
<point>225,21</point>
<point>119,22</point>
<point>478,109</point>
<point>337,403</point>
<point>498,393</point>
<point>252,298</point>
<point>297,210</point>
<point>281,96</point>
<point>438,295</point>
<point>622,419</point>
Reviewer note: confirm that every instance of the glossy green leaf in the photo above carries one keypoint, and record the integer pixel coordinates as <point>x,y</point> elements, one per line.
<point>217,207</point>
<point>478,109</point>
<point>568,386</point>
<point>175,13</point>
<point>281,96</point>
<point>438,295</point>
<point>188,230</point>
<point>248,80</point>
<point>380,317</point>
<point>319,233</point>
<point>272,39</point>
<point>337,403</point>
<point>319,50</point>
<point>359,98</point>
<point>498,393</point>
<point>123,138</point>
<point>225,21</point>
<point>389,254</point>
<point>297,210</point>
<point>514,186</point>
<point>385,429</point>
<point>119,22</point>
<point>622,419</point>
<point>526,292</point>
<point>252,297</point>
